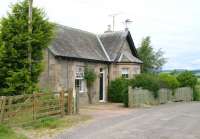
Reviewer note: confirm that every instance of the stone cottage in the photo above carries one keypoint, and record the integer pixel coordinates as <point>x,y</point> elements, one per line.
<point>111,55</point>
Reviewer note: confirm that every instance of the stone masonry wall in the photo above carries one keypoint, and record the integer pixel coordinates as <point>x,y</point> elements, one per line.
<point>60,74</point>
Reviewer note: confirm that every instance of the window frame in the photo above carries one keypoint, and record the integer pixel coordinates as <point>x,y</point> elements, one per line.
<point>125,72</point>
<point>79,79</point>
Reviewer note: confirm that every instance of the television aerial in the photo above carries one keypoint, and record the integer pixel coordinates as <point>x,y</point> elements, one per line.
<point>113,18</point>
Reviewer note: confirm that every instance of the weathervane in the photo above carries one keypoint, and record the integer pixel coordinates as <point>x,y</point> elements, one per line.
<point>127,21</point>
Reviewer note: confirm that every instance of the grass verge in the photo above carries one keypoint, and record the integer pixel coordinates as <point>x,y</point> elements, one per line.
<point>50,126</point>
<point>8,133</point>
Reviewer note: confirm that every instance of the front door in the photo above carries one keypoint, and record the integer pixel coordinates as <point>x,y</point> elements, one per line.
<point>101,86</point>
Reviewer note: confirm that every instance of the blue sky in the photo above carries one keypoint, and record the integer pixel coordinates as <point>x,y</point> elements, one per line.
<point>174,25</point>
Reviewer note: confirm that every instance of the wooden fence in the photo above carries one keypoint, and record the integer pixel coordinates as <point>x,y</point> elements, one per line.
<point>138,97</point>
<point>27,108</point>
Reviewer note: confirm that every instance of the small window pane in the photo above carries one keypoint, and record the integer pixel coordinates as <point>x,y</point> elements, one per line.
<point>81,85</point>
<point>125,72</point>
<point>77,83</point>
<point>79,72</point>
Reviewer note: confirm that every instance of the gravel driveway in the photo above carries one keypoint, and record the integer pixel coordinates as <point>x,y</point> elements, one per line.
<point>169,121</point>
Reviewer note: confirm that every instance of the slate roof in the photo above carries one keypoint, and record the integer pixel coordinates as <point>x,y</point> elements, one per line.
<point>113,43</point>
<point>128,57</point>
<point>74,43</point>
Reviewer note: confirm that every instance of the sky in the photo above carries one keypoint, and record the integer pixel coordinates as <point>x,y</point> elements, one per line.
<point>173,25</point>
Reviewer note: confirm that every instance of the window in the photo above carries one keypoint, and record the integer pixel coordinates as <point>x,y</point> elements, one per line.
<point>80,84</point>
<point>79,72</point>
<point>125,72</point>
<point>79,79</point>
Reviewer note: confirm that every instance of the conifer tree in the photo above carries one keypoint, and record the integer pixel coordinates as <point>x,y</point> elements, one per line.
<point>14,41</point>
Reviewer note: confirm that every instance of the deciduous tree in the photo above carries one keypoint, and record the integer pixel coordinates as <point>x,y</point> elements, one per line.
<point>152,60</point>
<point>90,77</point>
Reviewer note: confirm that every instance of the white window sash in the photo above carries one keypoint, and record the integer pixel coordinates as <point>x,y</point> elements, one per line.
<point>79,72</point>
<point>124,72</point>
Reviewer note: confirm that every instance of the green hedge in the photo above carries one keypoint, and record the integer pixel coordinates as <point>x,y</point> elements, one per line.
<point>116,89</point>
<point>147,81</point>
<point>168,81</point>
<point>187,79</point>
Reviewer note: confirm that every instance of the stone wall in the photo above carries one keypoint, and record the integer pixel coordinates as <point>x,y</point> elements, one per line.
<point>59,74</point>
<point>116,70</point>
<point>139,97</point>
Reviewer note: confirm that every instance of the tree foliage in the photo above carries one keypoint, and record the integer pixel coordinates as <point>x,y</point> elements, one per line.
<point>15,77</point>
<point>152,60</point>
<point>187,79</point>
<point>168,81</point>
<point>89,76</point>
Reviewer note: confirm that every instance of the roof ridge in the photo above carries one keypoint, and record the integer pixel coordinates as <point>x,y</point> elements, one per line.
<point>113,32</point>
<point>72,28</point>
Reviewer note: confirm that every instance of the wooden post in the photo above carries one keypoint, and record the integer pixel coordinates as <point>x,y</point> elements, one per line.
<point>30,32</point>
<point>62,105</point>
<point>69,101</point>
<point>77,100</point>
<point>3,108</point>
<point>9,104</point>
<point>34,106</point>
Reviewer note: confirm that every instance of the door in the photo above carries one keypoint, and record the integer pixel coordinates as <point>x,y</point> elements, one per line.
<point>101,86</point>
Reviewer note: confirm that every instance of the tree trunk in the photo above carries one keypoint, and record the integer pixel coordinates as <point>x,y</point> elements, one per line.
<point>89,95</point>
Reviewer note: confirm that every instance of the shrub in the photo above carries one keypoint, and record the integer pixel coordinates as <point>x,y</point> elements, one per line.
<point>116,89</point>
<point>147,81</point>
<point>168,81</point>
<point>187,79</point>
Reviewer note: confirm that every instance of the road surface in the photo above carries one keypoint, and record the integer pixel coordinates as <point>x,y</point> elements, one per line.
<point>168,121</point>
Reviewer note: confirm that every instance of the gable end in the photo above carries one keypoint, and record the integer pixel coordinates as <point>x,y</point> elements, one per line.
<point>132,45</point>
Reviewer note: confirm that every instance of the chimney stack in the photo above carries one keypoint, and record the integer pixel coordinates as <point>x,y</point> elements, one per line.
<point>126,29</point>
<point>109,29</point>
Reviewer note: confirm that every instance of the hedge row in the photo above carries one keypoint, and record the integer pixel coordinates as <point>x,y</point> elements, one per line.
<point>118,89</point>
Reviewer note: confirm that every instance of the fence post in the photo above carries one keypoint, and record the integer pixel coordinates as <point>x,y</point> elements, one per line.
<point>9,103</point>
<point>3,108</point>
<point>62,105</point>
<point>77,100</point>
<point>34,106</point>
<point>69,101</point>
